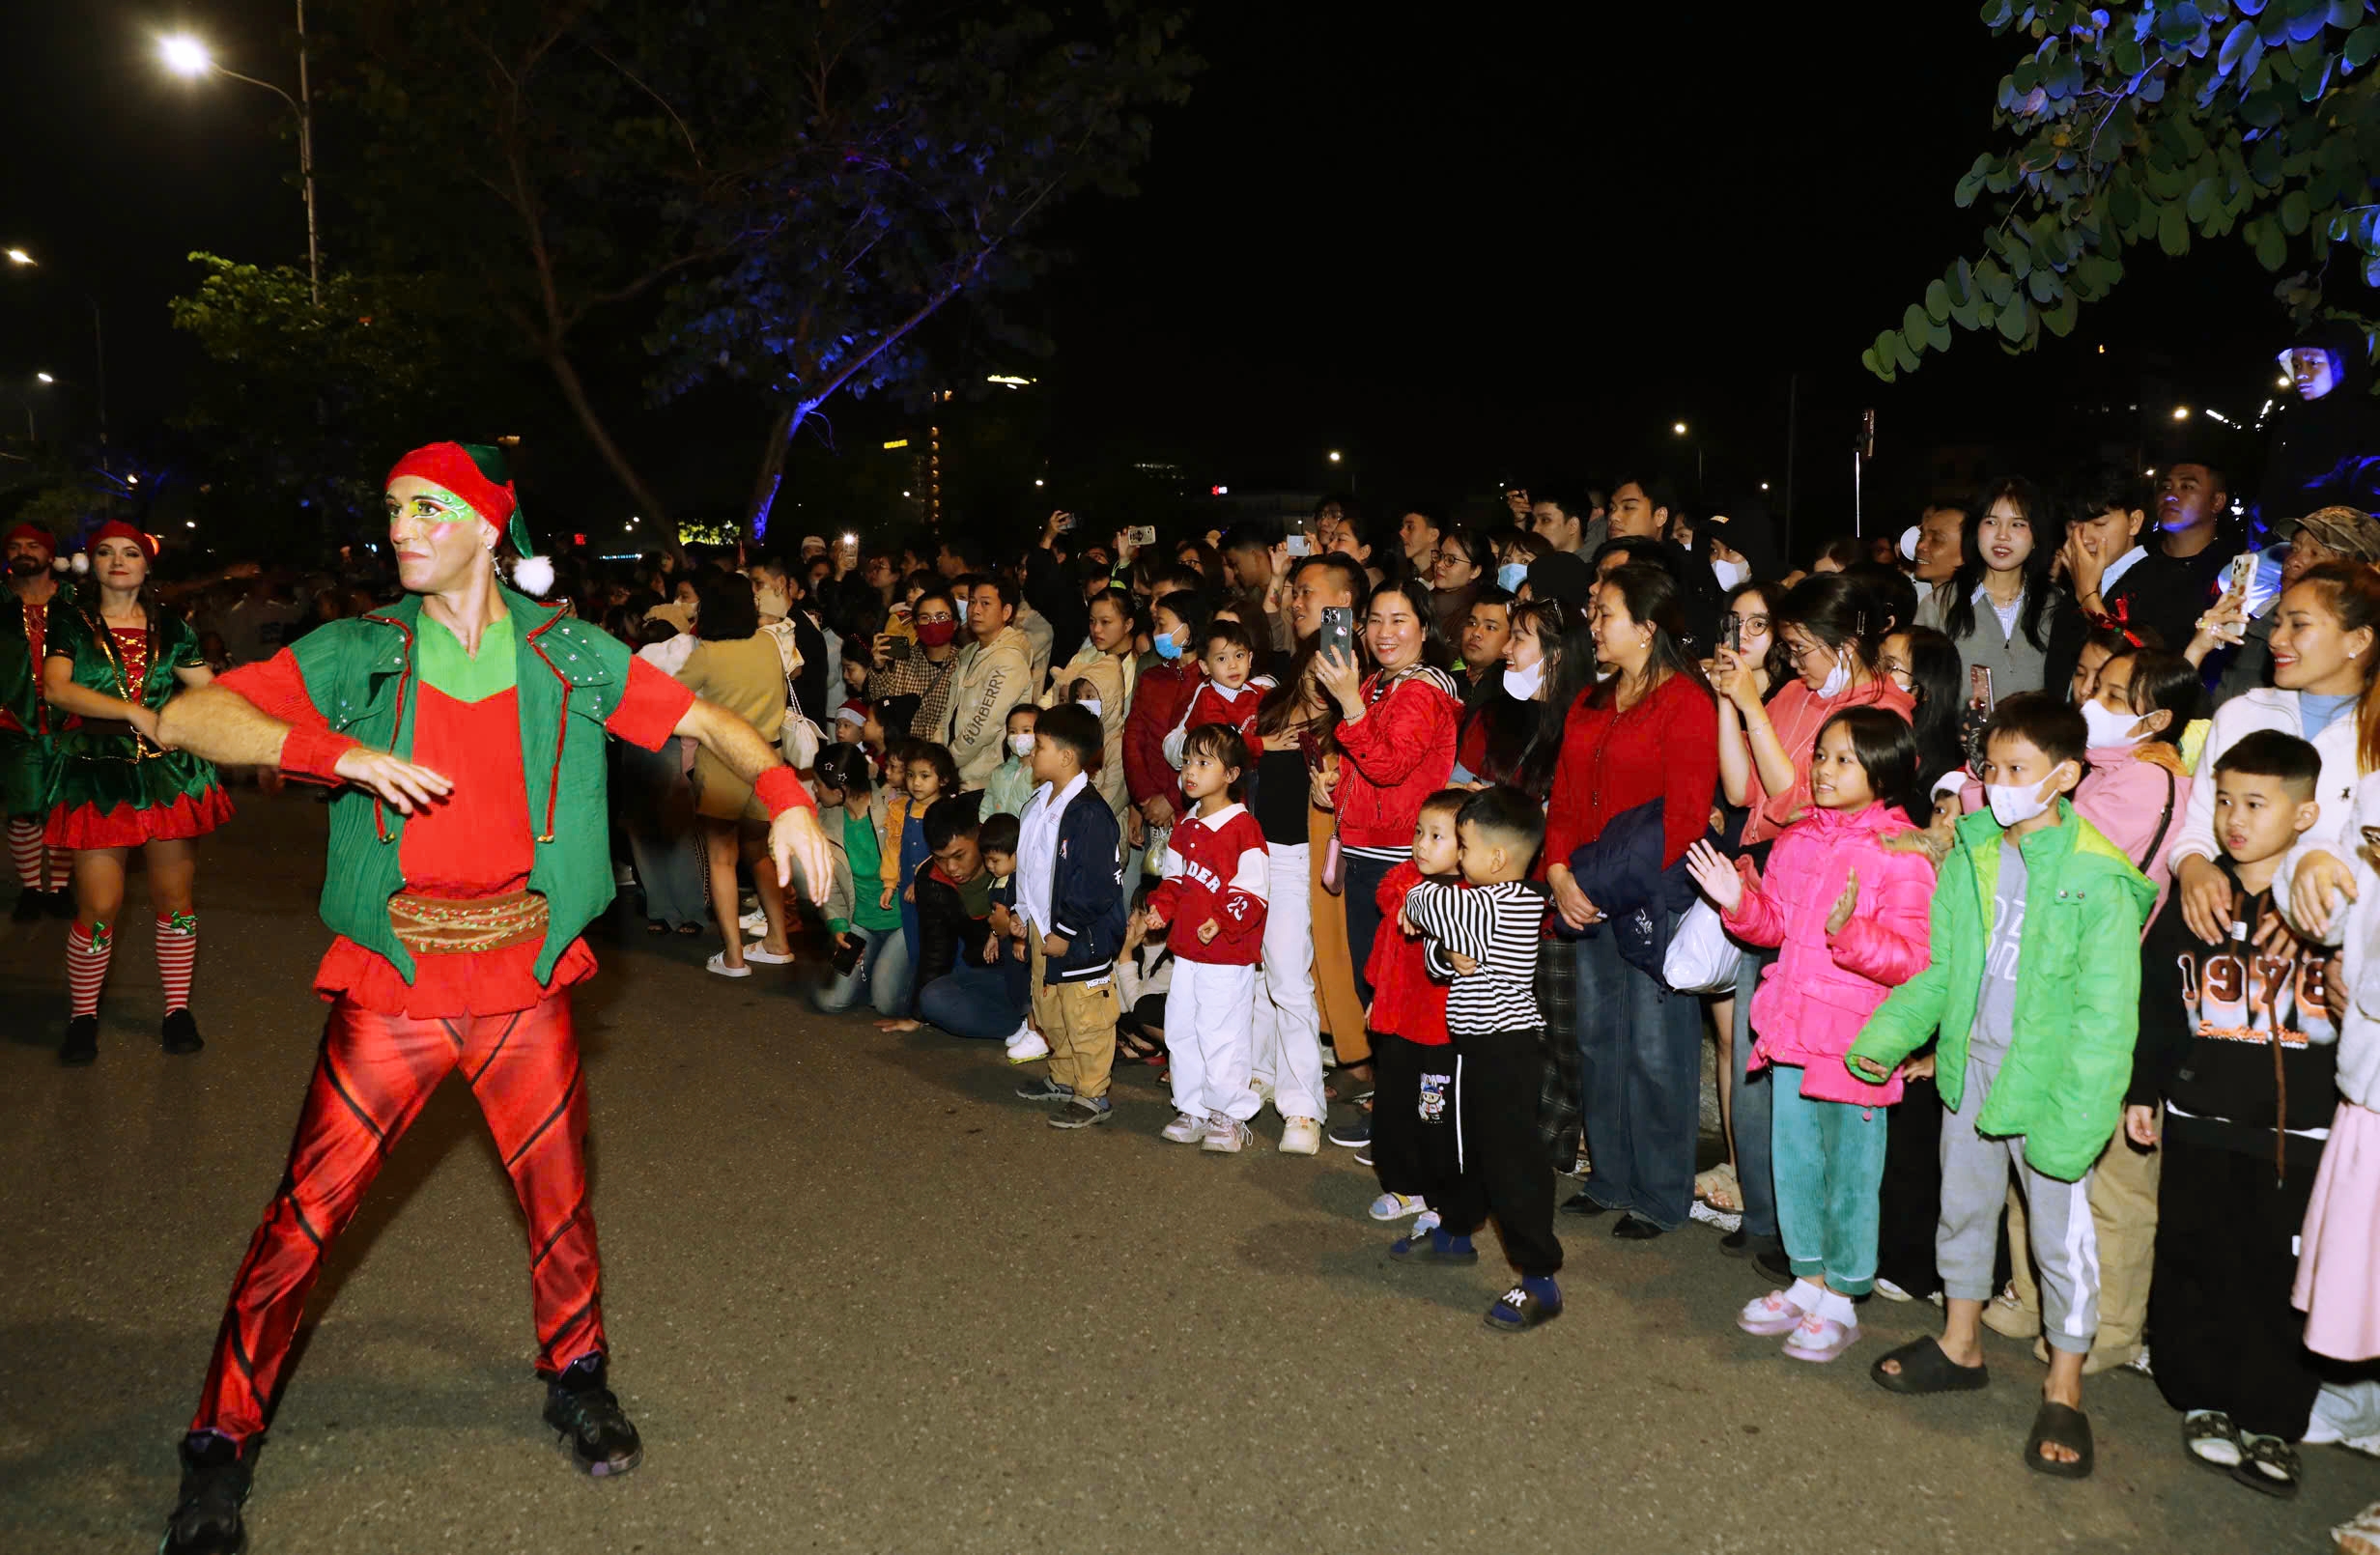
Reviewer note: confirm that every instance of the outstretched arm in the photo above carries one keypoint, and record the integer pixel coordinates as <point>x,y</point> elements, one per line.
<point>226,728</point>
<point>793,824</point>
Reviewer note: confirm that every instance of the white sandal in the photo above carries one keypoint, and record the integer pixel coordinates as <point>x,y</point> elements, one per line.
<point>760,952</point>
<point>718,966</point>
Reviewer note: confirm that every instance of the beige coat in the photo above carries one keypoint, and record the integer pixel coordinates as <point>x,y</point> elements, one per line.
<point>990,678</point>
<point>1112,676</point>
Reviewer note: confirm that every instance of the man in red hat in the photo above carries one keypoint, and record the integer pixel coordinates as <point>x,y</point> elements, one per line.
<point>26,778</point>
<point>468,847</point>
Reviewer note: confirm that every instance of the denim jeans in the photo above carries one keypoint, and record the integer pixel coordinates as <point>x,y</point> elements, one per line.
<point>1362,894</point>
<point>1753,1110</point>
<point>975,1001</point>
<point>882,977</point>
<point>1640,1057</point>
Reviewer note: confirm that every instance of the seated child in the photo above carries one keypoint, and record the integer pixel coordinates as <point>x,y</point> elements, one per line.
<point>2033,983</point>
<point>1490,934</point>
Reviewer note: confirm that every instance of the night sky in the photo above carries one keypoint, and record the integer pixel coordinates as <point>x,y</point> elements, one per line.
<point>1463,246</point>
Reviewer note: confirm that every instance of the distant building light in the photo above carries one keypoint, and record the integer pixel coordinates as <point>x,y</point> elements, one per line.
<point>1037,480</point>
<point>1219,491</point>
<point>1764,485</point>
<point>1007,381</point>
<point>898,442</point>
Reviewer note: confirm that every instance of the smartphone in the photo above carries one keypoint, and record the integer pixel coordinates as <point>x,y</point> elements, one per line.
<point>1142,534</point>
<point>1301,545</point>
<point>1977,716</point>
<point>1979,688</point>
<point>1066,524</point>
<point>847,956</point>
<point>1339,631</point>
<point>1731,632</point>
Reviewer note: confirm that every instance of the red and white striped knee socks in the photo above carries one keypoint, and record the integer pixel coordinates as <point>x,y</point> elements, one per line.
<point>88,950</point>
<point>32,858</point>
<point>177,957</point>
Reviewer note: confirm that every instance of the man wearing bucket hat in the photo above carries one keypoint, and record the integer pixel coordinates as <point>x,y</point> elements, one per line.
<point>27,773</point>
<point>2326,534</point>
<point>465,725</point>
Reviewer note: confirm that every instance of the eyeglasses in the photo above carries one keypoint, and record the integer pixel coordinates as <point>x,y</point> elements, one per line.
<point>1754,625</point>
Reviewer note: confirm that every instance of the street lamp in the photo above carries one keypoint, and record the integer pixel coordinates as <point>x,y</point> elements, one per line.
<point>44,378</point>
<point>188,58</point>
<point>98,345</point>
<point>1678,429</point>
<point>2181,413</point>
<point>1334,456</point>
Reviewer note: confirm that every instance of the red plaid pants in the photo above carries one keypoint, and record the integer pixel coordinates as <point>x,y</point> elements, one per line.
<point>375,1073</point>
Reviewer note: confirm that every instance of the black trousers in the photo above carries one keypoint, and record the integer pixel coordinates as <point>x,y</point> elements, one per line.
<point>1503,1171</point>
<point>2223,1333</point>
<point>1413,1118</point>
<point>1910,1205</point>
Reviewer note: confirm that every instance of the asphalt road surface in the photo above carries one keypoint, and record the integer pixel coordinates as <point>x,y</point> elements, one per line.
<point>861,1299</point>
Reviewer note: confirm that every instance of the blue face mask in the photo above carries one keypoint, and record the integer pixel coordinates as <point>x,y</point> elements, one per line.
<point>1166,648</point>
<point>1511,574</point>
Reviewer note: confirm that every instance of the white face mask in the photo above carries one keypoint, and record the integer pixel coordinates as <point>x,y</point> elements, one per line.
<point>770,602</point>
<point>2013,804</point>
<point>1523,684</point>
<point>1838,681</point>
<point>1729,573</point>
<point>2108,729</point>
<point>1089,704</point>
<point>1021,743</point>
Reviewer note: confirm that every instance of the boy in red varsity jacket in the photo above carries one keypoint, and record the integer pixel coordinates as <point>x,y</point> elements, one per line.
<point>1211,889</point>
<point>1413,1060</point>
<point>1228,692</point>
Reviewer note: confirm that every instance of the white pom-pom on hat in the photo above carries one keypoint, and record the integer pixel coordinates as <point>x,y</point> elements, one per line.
<point>534,575</point>
<point>81,562</point>
<point>59,564</point>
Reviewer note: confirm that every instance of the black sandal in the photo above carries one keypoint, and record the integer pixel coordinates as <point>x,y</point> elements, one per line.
<point>2058,1425</point>
<point>2203,1427</point>
<point>1138,1049</point>
<point>1925,1369</point>
<point>1518,1311</point>
<point>2269,1465</point>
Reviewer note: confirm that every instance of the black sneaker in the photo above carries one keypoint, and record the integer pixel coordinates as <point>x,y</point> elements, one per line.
<point>1578,1204</point>
<point>1355,1134</point>
<point>593,1426</point>
<point>214,1485</point>
<point>82,1041</point>
<point>181,1032</point>
<point>1044,1089</point>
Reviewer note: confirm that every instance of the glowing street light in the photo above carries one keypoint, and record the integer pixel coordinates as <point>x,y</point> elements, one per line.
<point>44,378</point>
<point>1334,456</point>
<point>2181,413</point>
<point>190,59</point>
<point>99,339</point>
<point>1678,429</point>
<point>17,256</point>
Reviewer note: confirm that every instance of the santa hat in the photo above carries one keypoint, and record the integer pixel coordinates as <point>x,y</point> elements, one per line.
<point>478,473</point>
<point>33,532</point>
<point>114,530</point>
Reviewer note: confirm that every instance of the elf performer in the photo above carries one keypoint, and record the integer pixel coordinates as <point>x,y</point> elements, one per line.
<point>26,769</point>
<point>467,851</point>
<point>112,660</point>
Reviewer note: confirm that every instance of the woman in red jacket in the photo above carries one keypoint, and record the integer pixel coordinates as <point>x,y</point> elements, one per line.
<point>1650,732</point>
<point>1396,746</point>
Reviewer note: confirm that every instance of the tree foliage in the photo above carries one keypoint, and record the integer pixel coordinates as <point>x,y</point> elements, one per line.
<point>299,404</point>
<point>773,196</point>
<point>2165,122</point>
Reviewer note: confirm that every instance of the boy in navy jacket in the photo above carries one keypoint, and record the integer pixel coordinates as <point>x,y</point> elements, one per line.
<point>1071,891</point>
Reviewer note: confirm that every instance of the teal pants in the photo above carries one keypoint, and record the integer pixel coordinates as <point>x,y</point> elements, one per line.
<point>1829,1169</point>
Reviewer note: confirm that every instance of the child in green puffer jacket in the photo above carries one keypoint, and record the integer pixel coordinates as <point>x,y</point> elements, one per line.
<point>2033,989</point>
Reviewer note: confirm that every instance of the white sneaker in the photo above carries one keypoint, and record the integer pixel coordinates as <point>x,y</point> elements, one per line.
<point>1226,1135</point>
<point>756,922</point>
<point>1187,1128</point>
<point>1027,1046</point>
<point>1397,1206</point>
<point>1301,1135</point>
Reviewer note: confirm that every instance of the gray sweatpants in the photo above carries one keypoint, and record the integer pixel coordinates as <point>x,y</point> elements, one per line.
<point>2058,1214</point>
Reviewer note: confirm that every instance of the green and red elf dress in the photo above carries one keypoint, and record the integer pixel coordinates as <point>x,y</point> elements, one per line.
<point>28,769</point>
<point>114,789</point>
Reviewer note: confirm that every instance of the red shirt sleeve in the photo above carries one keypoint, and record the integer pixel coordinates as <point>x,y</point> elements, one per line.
<point>651,707</point>
<point>1689,758</point>
<point>278,687</point>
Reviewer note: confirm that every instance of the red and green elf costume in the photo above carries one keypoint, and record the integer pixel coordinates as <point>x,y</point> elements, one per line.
<point>27,771</point>
<point>458,930</point>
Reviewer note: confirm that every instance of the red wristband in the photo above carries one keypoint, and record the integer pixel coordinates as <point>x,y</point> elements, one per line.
<point>310,752</point>
<point>780,789</point>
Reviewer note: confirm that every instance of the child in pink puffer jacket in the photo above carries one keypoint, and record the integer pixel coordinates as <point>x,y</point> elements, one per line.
<point>1849,916</point>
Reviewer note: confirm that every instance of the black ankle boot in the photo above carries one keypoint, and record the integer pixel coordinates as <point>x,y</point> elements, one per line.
<point>181,1033</point>
<point>596,1430</point>
<point>215,1486</point>
<point>81,1045</point>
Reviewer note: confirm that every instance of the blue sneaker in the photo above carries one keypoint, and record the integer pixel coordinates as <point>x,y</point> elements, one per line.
<point>1045,1089</point>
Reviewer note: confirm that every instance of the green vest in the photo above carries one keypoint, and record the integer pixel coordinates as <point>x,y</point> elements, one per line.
<point>569,676</point>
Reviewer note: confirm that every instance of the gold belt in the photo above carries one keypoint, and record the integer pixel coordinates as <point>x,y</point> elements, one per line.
<point>433,925</point>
